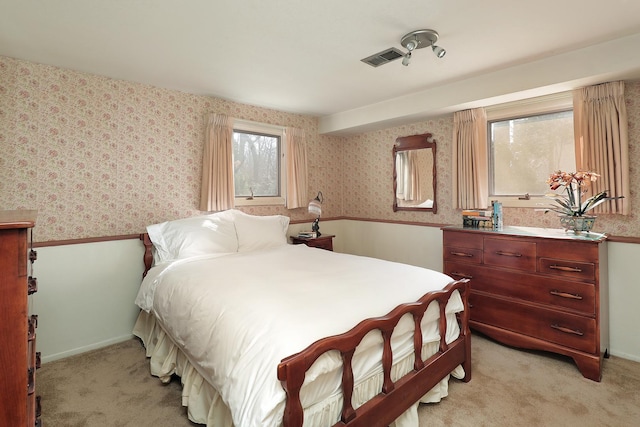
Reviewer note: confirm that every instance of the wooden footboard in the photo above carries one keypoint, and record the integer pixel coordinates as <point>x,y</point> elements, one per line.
<point>395,397</point>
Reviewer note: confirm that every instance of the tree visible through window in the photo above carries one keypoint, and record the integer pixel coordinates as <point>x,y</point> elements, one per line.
<point>525,150</point>
<point>256,164</point>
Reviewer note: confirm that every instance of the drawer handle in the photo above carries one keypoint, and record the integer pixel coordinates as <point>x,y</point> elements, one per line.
<point>511,254</point>
<point>461,275</point>
<point>32,285</point>
<point>564,268</point>
<point>31,380</point>
<point>567,330</point>
<point>463,254</point>
<point>38,410</point>
<point>32,324</point>
<point>565,294</point>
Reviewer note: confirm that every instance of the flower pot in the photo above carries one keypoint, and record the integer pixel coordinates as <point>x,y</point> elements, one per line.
<point>577,224</point>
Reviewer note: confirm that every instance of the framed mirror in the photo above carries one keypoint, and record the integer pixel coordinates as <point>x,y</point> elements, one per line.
<point>414,173</point>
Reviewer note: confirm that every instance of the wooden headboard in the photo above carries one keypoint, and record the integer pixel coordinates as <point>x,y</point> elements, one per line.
<point>148,252</point>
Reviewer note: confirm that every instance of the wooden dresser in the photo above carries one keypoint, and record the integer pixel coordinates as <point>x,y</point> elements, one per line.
<point>536,288</point>
<point>18,358</point>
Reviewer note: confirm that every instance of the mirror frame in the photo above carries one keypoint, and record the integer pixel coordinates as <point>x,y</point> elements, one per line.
<point>414,142</point>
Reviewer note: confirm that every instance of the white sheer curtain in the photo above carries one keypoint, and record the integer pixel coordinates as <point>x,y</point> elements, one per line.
<point>602,142</point>
<point>410,186</point>
<point>217,193</point>
<point>470,161</point>
<point>297,174</point>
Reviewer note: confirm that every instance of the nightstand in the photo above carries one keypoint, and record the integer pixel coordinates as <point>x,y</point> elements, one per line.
<point>325,241</point>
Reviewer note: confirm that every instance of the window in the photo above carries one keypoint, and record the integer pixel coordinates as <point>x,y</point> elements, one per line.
<point>526,144</point>
<point>258,164</point>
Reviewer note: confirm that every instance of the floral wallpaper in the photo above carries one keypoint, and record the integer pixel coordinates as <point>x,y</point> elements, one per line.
<point>103,157</point>
<point>368,193</point>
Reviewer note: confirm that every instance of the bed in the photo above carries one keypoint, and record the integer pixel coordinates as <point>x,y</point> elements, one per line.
<point>265,333</point>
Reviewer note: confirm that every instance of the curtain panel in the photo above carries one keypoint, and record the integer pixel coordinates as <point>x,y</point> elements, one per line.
<point>412,186</point>
<point>217,193</point>
<point>602,142</point>
<point>297,168</point>
<point>470,160</point>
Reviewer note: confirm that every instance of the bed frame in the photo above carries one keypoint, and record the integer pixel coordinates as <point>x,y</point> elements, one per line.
<point>395,397</point>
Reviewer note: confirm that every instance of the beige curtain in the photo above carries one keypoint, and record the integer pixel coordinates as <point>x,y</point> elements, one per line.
<point>297,175</point>
<point>470,161</point>
<point>217,192</point>
<point>411,176</point>
<point>602,143</point>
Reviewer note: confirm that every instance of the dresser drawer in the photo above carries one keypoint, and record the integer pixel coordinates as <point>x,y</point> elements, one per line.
<point>462,239</point>
<point>564,329</point>
<point>574,250</point>
<point>555,293</point>
<point>575,270</point>
<point>519,255</point>
<point>462,254</point>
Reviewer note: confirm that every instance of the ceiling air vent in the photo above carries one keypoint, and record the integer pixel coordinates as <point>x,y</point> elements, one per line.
<point>383,57</point>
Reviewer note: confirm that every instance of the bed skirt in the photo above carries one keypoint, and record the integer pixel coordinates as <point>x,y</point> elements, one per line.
<point>205,406</point>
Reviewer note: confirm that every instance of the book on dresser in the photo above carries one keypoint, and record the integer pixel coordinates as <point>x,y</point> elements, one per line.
<point>535,288</point>
<point>18,357</point>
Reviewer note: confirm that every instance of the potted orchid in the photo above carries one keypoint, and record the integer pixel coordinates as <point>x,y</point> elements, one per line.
<point>571,207</point>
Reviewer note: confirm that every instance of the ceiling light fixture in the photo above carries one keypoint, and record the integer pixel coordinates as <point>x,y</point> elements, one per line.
<point>419,39</point>
<point>406,59</point>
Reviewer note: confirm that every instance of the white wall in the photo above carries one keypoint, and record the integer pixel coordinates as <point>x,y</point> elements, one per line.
<point>624,297</point>
<point>421,246</point>
<point>85,296</point>
<point>86,292</point>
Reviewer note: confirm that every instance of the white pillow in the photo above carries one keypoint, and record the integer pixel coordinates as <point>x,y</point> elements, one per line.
<point>260,232</point>
<point>188,237</point>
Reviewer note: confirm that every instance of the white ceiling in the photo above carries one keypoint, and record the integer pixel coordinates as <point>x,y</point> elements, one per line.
<point>304,56</point>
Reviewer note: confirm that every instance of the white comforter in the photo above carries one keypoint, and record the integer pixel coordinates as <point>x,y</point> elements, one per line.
<point>238,315</point>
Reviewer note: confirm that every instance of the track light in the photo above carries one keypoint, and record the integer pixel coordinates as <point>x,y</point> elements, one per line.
<point>440,52</point>
<point>407,59</point>
<point>411,44</point>
<point>419,39</point>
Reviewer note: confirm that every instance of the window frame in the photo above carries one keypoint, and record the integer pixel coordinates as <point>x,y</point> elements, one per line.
<point>268,130</point>
<point>553,103</point>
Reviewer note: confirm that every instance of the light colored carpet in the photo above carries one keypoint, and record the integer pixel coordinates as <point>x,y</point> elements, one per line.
<point>112,387</point>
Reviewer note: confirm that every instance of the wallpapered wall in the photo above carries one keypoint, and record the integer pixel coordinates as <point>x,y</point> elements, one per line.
<point>102,157</point>
<point>369,195</point>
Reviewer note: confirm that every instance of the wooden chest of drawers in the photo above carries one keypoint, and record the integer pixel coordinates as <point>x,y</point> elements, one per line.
<point>535,288</point>
<point>18,357</point>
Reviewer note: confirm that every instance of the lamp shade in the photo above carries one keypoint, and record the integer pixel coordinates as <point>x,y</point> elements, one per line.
<point>315,205</point>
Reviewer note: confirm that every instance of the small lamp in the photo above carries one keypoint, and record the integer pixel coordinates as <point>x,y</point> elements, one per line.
<point>315,207</point>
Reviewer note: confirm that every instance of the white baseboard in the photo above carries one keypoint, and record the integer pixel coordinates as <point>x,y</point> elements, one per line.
<point>624,355</point>
<point>84,349</point>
